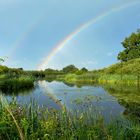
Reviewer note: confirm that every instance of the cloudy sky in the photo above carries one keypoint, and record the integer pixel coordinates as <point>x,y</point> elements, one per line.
<point>30,30</point>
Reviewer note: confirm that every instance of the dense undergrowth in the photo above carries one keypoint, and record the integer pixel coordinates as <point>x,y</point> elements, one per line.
<point>32,122</point>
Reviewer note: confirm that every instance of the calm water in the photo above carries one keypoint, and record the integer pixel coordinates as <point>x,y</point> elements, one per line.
<point>109,101</point>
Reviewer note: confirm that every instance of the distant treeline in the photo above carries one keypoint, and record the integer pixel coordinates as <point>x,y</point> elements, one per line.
<point>15,72</point>
<point>128,68</point>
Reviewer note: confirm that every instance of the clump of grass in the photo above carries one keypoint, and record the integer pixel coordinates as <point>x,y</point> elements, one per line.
<point>117,79</point>
<point>14,85</point>
<point>33,122</point>
<point>101,78</point>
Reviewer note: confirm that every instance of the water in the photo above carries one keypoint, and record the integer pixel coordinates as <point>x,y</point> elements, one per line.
<point>110,101</point>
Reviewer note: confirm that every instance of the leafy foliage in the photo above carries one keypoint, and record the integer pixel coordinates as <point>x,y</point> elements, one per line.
<point>70,69</point>
<point>132,47</point>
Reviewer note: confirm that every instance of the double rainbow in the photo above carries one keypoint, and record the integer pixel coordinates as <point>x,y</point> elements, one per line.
<point>84,26</point>
<point>68,38</point>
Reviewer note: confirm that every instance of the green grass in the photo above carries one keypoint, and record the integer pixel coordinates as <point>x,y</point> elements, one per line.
<point>121,73</point>
<point>13,85</point>
<point>131,67</point>
<point>32,122</point>
<point>92,78</point>
<point>127,73</point>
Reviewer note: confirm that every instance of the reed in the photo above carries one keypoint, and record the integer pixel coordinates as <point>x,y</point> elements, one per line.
<point>40,123</point>
<point>13,85</point>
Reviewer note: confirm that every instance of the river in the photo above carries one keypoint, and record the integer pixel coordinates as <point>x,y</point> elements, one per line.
<point>110,101</point>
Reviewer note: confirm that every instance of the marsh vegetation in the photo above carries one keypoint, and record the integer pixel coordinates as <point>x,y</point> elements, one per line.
<point>33,122</point>
<point>82,104</point>
<point>88,112</point>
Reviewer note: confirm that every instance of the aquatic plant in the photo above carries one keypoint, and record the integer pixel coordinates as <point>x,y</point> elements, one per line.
<point>33,122</point>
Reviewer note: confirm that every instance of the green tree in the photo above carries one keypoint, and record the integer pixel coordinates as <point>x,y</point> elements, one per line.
<point>84,70</point>
<point>50,71</point>
<point>70,69</point>
<point>132,47</point>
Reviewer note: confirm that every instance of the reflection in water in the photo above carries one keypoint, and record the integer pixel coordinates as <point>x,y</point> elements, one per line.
<point>56,94</point>
<point>132,110</point>
<point>16,91</point>
<point>110,101</point>
<point>49,92</point>
<point>129,97</point>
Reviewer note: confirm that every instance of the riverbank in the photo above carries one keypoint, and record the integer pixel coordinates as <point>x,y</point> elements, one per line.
<point>121,73</point>
<point>92,78</point>
<point>15,85</point>
<point>127,73</point>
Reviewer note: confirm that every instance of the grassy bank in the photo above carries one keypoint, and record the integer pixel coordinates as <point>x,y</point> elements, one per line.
<point>120,73</point>
<point>92,78</point>
<point>13,85</point>
<point>31,123</point>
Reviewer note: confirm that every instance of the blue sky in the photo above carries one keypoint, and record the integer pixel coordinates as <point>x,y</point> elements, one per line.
<point>30,29</point>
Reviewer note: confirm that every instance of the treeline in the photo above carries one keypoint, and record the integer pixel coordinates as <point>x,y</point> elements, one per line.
<point>128,68</point>
<point>13,72</point>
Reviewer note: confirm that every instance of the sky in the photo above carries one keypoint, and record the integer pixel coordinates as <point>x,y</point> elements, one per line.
<point>31,30</point>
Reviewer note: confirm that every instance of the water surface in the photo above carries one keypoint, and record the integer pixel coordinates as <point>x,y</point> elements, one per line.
<point>110,101</point>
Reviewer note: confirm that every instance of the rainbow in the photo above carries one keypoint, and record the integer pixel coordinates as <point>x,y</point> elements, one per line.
<point>24,36</point>
<point>84,26</point>
<point>18,43</point>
